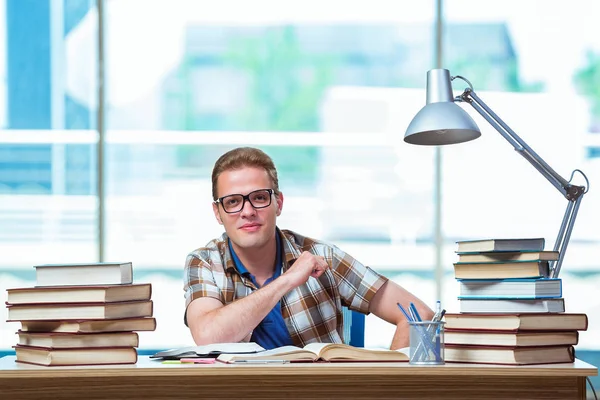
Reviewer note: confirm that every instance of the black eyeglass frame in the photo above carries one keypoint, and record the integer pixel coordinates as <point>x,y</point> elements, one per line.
<point>246,198</point>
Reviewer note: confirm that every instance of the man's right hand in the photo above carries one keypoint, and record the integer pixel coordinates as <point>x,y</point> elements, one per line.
<point>212,322</point>
<point>305,266</point>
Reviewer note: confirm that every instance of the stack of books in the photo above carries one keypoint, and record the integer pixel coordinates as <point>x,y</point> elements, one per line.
<point>511,309</point>
<point>81,314</point>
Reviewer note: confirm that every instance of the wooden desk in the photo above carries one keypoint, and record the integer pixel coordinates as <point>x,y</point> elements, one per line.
<point>149,379</point>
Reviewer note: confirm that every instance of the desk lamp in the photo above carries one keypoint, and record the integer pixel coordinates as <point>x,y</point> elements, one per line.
<point>443,122</point>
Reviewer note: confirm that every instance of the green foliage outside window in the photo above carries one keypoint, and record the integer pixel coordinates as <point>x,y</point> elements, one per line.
<point>488,74</point>
<point>285,89</point>
<point>587,81</point>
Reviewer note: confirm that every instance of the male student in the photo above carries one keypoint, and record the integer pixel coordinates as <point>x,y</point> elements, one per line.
<point>271,286</point>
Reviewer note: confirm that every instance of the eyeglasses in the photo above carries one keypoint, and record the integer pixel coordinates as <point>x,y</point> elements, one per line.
<point>235,202</point>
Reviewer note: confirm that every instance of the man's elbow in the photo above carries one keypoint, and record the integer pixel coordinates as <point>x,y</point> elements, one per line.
<point>198,329</point>
<point>427,314</point>
<point>201,320</point>
<point>200,337</point>
<point>201,332</point>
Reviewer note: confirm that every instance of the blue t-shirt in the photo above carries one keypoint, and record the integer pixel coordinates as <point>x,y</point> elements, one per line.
<point>272,331</point>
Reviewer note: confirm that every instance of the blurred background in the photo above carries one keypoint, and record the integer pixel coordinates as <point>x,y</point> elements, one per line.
<point>120,171</point>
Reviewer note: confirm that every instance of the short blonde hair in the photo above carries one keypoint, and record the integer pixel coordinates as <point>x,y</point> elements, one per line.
<point>244,157</point>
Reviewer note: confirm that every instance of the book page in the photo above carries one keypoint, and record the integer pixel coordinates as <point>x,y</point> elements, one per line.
<point>344,352</point>
<point>404,350</point>
<point>317,347</point>
<point>280,353</point>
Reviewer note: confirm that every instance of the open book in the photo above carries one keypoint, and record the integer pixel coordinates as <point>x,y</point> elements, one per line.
<point>320,352</point>
<point>209,350</point>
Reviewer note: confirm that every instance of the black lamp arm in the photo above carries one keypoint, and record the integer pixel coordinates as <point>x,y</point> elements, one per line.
<point>573,193</point>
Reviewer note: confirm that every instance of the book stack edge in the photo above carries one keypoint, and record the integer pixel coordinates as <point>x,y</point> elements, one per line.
<point>81,314</point>
<point>511,308</point>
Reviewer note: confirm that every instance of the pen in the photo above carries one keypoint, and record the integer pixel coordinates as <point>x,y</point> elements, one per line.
<point>412,314</point>
<point>261,362</point>
<point>408,317</point>
<point>438,356</point>
<point>415,312</point>
<point>429,334</point>
<point>438,309</point>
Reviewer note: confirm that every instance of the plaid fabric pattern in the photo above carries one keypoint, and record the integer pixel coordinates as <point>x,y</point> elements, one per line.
<point>313,311</point>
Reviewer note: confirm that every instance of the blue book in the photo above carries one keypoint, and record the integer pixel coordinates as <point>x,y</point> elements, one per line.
<point>518,289</point>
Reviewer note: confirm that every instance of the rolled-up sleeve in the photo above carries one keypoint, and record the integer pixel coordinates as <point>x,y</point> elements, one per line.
<point>199,281</point>
<point>357,284</point>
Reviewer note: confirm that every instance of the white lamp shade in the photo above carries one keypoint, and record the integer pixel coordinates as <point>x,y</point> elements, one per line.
<point>441,123</point>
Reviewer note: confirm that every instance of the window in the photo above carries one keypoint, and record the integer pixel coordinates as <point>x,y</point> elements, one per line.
<point>48,173</point>
<point>327,89</point>
<point>534,64</point>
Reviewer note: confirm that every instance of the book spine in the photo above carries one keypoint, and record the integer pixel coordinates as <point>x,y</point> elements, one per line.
<point>512,306</point>
<point>507,297</point>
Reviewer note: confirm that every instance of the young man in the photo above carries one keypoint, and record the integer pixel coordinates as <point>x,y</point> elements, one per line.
<point>275,287</point>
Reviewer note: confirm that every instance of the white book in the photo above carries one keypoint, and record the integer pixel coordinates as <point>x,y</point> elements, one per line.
<point>510,288</point>
<point>210,350</point>
<point>508,244</point>
<point>105,273</point>
<point>512,306</point>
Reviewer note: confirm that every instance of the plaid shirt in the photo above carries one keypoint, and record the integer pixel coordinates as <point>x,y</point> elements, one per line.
<point>312,311</point>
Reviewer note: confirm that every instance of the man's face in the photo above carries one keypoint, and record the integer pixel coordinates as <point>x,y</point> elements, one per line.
<point>249,228</point>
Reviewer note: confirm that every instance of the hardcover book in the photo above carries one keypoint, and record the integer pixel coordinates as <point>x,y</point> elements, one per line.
<point>512,306</point>
<point>79,340</point>
<point>79,294</point>
<point>81,356</point>
<point>505,256</point>
<point>502,270</point>
<point>79,311</point>
<point>90,326</point>
<point>509,355</point>
<point>486,245</point>
<point>84,274</point>
<point>518,322</point>
<point>513,339</point>
<point>510,288</point>
<point>210,350</point>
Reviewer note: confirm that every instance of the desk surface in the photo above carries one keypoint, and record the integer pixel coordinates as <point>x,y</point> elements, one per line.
<point>147,366</point>
<point>151,379</point>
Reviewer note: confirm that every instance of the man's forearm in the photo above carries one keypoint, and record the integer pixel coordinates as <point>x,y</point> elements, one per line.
<point>401,336</point>
<point>235,321</point>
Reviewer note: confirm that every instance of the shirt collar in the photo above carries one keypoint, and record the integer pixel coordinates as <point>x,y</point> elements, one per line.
<point>239,266</point>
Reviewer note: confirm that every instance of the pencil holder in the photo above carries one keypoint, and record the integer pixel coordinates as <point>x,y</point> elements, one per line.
<point>427,342</point>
